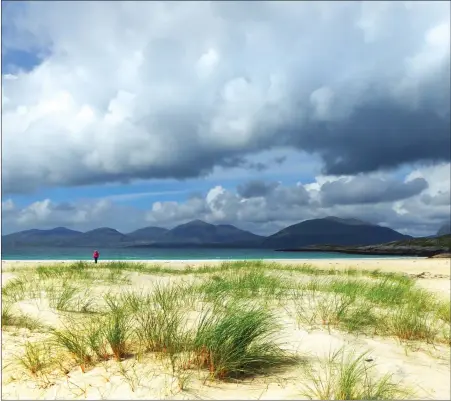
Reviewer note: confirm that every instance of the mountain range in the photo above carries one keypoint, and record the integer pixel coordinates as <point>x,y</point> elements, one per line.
<point>326,231</point>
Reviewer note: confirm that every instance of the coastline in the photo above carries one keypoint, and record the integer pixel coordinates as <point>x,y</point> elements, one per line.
<point>413,265</point>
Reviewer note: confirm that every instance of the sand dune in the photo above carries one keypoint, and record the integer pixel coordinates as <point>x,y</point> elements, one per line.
<point>418,365</point>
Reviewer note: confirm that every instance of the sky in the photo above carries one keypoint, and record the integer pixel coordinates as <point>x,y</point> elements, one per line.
<point>256,114</point>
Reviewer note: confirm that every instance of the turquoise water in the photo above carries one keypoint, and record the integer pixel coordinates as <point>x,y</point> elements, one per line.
<point>42,253</point>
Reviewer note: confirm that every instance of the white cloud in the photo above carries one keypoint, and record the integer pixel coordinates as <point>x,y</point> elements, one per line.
<point>438,177</point>
<point>10,77</point>
<point>260,207</point>
<point>170,90</point>
<point>207,63</point>
<point>8,205</point>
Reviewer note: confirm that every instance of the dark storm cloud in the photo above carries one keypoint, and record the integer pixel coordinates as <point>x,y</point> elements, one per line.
<point>366,190</point>
<point>378,136</point>
<point>363,85</point>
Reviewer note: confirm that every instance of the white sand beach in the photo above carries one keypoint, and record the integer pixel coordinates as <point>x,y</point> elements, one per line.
<point>402,265</point>
<point>420,366</point>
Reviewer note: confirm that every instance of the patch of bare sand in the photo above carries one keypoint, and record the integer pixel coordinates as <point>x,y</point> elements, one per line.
<point>436,285</point>
<point>6,276</point>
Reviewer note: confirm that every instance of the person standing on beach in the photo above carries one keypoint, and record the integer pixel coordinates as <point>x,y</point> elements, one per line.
<point>95,255</point>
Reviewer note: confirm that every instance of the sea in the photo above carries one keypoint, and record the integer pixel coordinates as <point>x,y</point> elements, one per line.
<point>78,253</point>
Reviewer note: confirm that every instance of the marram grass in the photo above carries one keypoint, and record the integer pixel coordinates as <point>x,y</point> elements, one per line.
<point>36,358</point>
<point>349,376</point>
<point>237,342</point>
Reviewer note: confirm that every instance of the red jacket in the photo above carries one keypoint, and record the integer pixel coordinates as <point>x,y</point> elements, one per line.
<point>95,254</point>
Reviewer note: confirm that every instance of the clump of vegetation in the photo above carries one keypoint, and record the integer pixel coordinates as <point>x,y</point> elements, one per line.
<point>385,292</point>
<point>118,328</point>
<point>75,341</point>
<point>62,299</point>
<point>50,272</point>
<point>160,321</point>
<point>313,307</point>
<point>332,310</point>
<point>11,319</point>
<point>238,341</point>
<point>362,317</point>
<point>242,285</point>
<point>386,307</point>
<point>407,323</point>
<point>95,338</point>
<point>69,298</point>
<point>443,311</point>
<point>18,289</point>
<point>349,377</point>
<point>134,301</point>
<point>36,358</point>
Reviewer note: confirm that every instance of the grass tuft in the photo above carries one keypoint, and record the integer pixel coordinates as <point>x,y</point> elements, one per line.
<point>36,358</point>
<point>333,309</point>
<point>75,342</point>
<point>10,319</point>
<point>160,319</point>
<point>18,289</point>
<point>62,300</point>
<point>118,329</point>
<point>239,341</point>
<point>95,338</point>
<point>443,311</point>
<point>242,285</point>
<point>349,377</point>
<point>408,324</point>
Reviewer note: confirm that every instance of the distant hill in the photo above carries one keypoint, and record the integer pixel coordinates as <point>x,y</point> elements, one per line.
<point>426,246</point>
<point>100,237</point>
<point>350,222</point>
<point>193,233</point>
<point>147,234</point>
<point>200,232</point>
<point>445,229</point>
<point>332,231</point>
<point>55,236</point>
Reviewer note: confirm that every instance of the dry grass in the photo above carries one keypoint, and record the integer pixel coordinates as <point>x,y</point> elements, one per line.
<point>36,358</point>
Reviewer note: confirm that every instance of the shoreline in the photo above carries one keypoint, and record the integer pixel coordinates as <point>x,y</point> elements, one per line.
<point>409,265</point>
<point>420,253</point>
<point>277,260</point>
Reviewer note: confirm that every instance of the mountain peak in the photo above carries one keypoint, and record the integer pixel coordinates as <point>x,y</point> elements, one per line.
<point>103,230</point>
<point>350,221</point>
<point>62,230</point>
<point>196,222</point>
<point>332,231</point>
<point>198,231</point>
